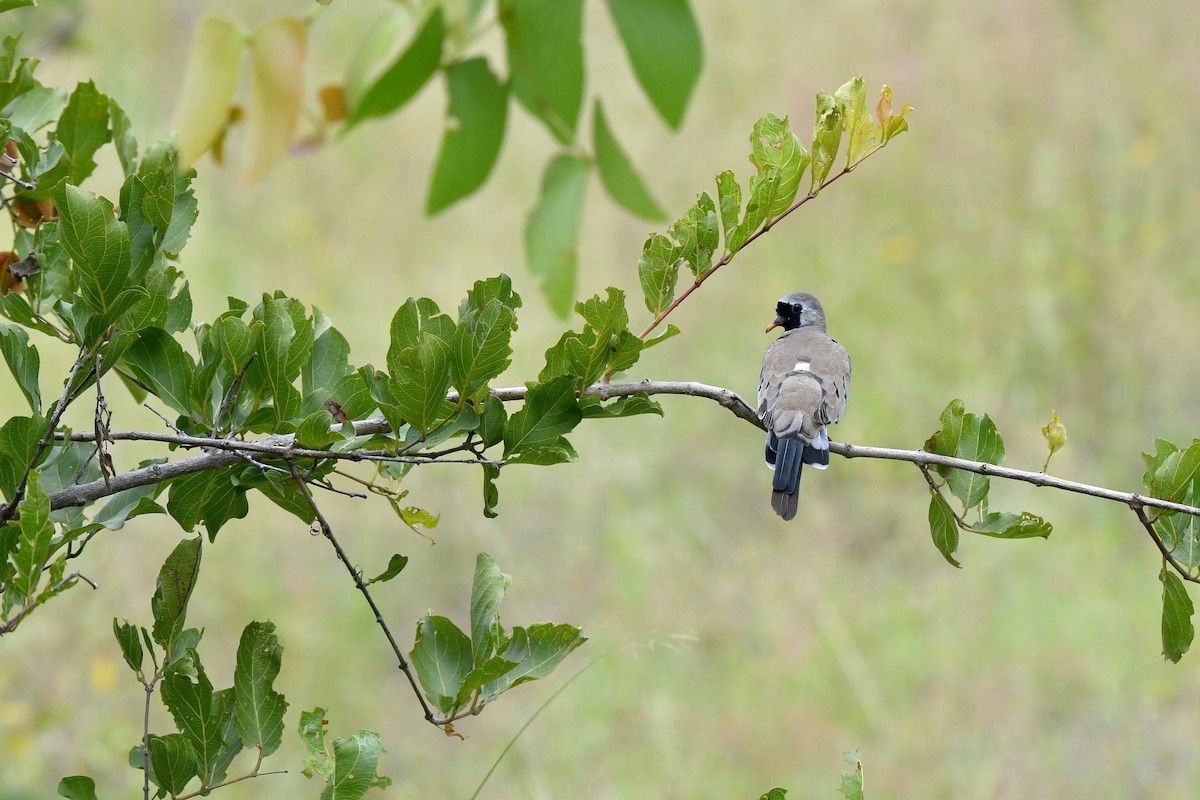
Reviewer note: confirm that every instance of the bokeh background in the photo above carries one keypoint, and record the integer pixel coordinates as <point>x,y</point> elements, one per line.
<point>1030,245</point>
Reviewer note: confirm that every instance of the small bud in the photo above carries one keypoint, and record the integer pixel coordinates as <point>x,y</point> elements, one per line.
<point>1056,436</point>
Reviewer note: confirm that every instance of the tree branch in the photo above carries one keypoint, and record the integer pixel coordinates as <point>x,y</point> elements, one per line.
<point>226,452</point>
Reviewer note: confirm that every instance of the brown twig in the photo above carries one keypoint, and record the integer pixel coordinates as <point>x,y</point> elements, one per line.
<point>1184,571</point>
<point>327,530</point>
<point>725,259</point>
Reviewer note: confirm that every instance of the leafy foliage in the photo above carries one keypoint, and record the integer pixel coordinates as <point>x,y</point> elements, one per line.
<point>972,438</point>
<point>467,672</point>
<point>543,59</point>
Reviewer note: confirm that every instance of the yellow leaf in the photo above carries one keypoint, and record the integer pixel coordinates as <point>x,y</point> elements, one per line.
<point>209,81</point>
<point>277,52</point>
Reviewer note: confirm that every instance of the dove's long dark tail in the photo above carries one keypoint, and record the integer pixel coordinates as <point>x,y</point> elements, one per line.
<point>788,456</point>
<point>788,460</point>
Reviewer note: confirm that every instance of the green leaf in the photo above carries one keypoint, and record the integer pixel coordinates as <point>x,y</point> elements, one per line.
<point>474,132</point>
<point>1005,525</point>
<point>658,271</point>
<point>558,451</point>
<point>189,698</point>
<point>176,580</point>
<point>633,405</point>
<point>312,730</point>
<point>487,672</point>
<point>98,244</point>
<point>662,337</point>
<point>545,60</point>
<point>604,344</point>
<point>327,364</point>
<point>663,42</point>
<point>617,172</point>
<point>73,787</point>
<point>395,566</point>
<point>943,527</point>
<point>315,432</point>
<point>827,137</point>
<point>1181,534</point>
<point>9,5</point>
<point>852,780</point>
<point>550,411</point>
<point>287,338</point>
<point>35,534</point>
<point>209,81</point>
<point>225,710</point>
<point>484,291</point>
<point>773,146</point>
<point>1177,629</point>
<point>122,137</point>
<point>552,230</point>
<point>82,130</point>
<point>697,235</point>
<point>492,421</point>
<point>980,441</point>
<point>24,363</point>
<point>537,651</point>
<point>355,761</point>
<point>131,646</point>
<point>172,762</point>
<point>36,108</point>
<point>487,590</point>
<point>209,497</point>
<point>418,318</point>
<point>130,503</point>
<point>162,365</point>
<point>729,198</point>
<point>259,707</point>
<point>400,82</point>
<point>419,382</point>
<point>945,441</point>
<point>774,794</point>
<point>19,439</point>
<point>481,348</point>
<point>491,492</point>
<point>441,655</point>
<point>856,120</point>
<point>1177,473</point>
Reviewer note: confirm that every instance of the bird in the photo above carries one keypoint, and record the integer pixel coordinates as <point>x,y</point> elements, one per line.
<point>803,387</point>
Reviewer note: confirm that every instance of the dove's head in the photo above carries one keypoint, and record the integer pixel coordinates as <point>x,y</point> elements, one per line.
<point>798,310</point>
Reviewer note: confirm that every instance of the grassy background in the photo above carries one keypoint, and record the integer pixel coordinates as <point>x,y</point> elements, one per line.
<point>1029,245</point>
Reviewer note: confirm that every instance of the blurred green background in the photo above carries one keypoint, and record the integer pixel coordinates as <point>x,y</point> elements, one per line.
<point>1030,245</point>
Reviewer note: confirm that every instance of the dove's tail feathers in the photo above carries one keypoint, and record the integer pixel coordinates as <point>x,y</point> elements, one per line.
<point>788,463</point>
<point>816,452</point>
<point>785,504</point>
<point>815,456</point>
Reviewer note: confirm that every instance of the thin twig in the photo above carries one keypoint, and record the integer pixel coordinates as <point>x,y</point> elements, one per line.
<point>69,393</point>
<point>327,530</point>
<point>725,259</point>
<point>166,421</point>
<point>11,624</point>
<point>1184,571</point>
<point>231,394</point>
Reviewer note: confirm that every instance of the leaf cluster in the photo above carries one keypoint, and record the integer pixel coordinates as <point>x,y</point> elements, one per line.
<point>974,438</point>
<point>461,674</point>
<point>719,229</point>
<point>543,72</point>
